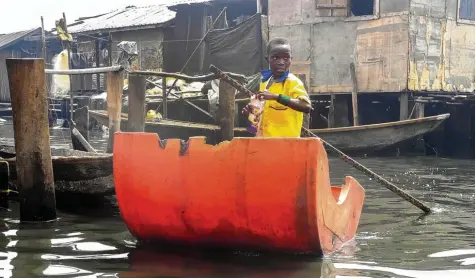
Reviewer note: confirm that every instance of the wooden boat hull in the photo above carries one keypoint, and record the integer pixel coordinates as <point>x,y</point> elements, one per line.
<point>259,194</point>
<point>74,171</point>
<point>365,138</point>
<point>379,136</point>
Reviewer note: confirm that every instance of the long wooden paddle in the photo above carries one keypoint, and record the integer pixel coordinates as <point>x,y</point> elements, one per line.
<point>221,75</point>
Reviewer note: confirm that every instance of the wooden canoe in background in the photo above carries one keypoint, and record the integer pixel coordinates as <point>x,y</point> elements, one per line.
<point>74,171</point>
<point>370,138</point>
<point>172,128</point>
<point>364,138</point>
<point>215,196</point>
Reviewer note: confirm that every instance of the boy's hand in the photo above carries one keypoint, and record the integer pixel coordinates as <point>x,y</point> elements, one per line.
<point>246,109</point>
<point>266,95</point>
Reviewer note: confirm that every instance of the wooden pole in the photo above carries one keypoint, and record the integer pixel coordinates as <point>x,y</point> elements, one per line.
<point>344,157</point>
<point>164,98</point>
<point>115,84</point>
<point>80,131</point>
<point>68,48</point>
<point>98,75</point>
<point>420,110</point>
<point>226,110</point>
<point>331,117</point>
<point>43,40</point>
<point>136,114</point>
<point>32,139</point>
<point>355,110</point>
<point>404,106</point>
<point>110,49</point>
<point>259,7</point>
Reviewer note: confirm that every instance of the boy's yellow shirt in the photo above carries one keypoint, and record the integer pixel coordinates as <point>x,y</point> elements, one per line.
<point>278,120</point>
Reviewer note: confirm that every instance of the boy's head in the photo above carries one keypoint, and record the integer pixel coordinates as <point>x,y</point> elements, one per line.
<point>279,56</point>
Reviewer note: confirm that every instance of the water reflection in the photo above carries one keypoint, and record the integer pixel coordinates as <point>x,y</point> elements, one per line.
<point>89,240</point>
<point>193,263</point>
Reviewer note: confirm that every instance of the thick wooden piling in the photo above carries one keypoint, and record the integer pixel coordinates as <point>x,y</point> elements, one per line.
<point>136,113</point>
<point>115,84</point>
<point>32,139</point>
<point>226,110</point>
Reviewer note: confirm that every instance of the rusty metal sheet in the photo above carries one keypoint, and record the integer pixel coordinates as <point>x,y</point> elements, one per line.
<point>381,55</point>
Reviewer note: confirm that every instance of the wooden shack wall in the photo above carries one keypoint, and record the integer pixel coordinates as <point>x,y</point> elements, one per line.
<point>397,49</point>
<point>378,44</point>
<point>441,48</point>
<point>149,46</point>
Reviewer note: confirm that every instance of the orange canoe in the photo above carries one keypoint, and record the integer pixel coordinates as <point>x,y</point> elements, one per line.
<point>250,193</point>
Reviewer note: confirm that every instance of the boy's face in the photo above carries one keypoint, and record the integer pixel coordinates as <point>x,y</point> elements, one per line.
<point>279,59</point>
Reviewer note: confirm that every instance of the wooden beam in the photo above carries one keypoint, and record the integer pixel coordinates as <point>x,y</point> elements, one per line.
<point>136,114</point>
<point>100,70</point>
<point>115,84</point>
<point>186,78</point>
<point>355,105</point>
<point>32,139</point>
<point>226,110</point>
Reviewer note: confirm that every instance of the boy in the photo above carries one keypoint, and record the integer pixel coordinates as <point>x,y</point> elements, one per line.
<point>285,97</point>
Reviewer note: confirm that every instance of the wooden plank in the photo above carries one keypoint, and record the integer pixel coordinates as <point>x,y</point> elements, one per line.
<point>226,111</point>
<point>115,83</point>
<point>32,139</point>
<point>136,113</point>
<point>355,106</point>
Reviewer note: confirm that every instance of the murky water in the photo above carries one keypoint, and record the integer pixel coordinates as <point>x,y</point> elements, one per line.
<point>393,240</point>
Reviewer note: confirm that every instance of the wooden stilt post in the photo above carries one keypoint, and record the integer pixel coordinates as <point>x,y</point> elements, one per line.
<point>164,98</point>
<point>68,48</point>
<point>81,119</point>
<point>98,75</point>
<point>115,84</point>
<point>226,110</point>
<point>404,106</point>
<point>32,139</point>
<point>420,110</point>
<point>331,116</point>
<point>355,105</point>
<point>136,115</point>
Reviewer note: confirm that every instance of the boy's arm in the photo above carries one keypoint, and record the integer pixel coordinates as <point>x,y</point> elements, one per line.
<point>299,100</point>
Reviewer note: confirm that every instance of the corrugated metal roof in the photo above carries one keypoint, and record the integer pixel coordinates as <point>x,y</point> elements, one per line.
<point>11,38</point>
<point>125,18</point>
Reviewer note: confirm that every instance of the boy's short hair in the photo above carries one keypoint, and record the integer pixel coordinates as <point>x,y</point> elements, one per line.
<point>276,42</point>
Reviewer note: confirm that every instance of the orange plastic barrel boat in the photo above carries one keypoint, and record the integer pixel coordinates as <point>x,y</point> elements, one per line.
<point>270,194</point>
